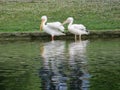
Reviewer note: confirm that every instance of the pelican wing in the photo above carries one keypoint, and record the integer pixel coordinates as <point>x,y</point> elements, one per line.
<point>56,25</point>
<point>79,27</point>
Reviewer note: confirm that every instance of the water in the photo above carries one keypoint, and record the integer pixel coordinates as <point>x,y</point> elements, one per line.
<point>65,65</point>
<point>60,65</point>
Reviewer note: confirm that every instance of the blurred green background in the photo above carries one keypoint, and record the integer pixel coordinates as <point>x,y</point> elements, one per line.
<point>25,15</point>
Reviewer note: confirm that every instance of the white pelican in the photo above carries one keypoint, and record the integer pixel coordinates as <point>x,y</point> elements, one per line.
<point>54,28</point>
<point>77,29</point>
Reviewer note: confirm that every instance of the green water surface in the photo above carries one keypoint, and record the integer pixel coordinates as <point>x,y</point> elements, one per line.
<point>104,64</point>
<point>20,62</point>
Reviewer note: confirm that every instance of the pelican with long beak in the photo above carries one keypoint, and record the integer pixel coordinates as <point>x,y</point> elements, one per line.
<point>77,29</point>
<point>53,28</point>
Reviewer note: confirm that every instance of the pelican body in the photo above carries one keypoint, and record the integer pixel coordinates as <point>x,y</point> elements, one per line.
<point>53,28</point>
<point>77,29</point>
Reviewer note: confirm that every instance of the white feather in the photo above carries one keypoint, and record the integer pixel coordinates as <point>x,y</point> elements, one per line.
<point>53,28</point>
<point>56,25</point>
<point>79,26</point>
<point>77,29</point>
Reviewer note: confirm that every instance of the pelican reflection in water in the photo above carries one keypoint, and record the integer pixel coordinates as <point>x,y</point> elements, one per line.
<point>78,63</point>
<point>64,64</point>
<point>52,58</point>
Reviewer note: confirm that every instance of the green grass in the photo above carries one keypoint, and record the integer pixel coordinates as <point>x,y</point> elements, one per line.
<point>20,15</point>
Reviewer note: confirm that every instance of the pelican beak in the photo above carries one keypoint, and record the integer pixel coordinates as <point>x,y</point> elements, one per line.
<point>64,22</point>
<point>41,25</point>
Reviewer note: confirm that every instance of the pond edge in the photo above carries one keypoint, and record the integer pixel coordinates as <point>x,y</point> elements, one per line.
<point>42,35</point>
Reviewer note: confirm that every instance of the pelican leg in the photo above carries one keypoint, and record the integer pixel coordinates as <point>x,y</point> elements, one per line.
<point>75,37</point>
<point>52,38</point>
<point>80,37</point>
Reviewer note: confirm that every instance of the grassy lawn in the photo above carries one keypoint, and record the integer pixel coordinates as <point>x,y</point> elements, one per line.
<point>25,15</point>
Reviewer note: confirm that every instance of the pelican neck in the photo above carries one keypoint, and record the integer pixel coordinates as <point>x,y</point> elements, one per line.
<point>44,22</point>
<point>70,23</point>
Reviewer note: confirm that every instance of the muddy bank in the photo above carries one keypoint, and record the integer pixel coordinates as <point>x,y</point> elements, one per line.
<point>38,35</point>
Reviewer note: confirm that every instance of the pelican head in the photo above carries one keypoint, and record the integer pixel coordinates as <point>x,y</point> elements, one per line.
<point>68,20</point>
<point>43,20</point>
